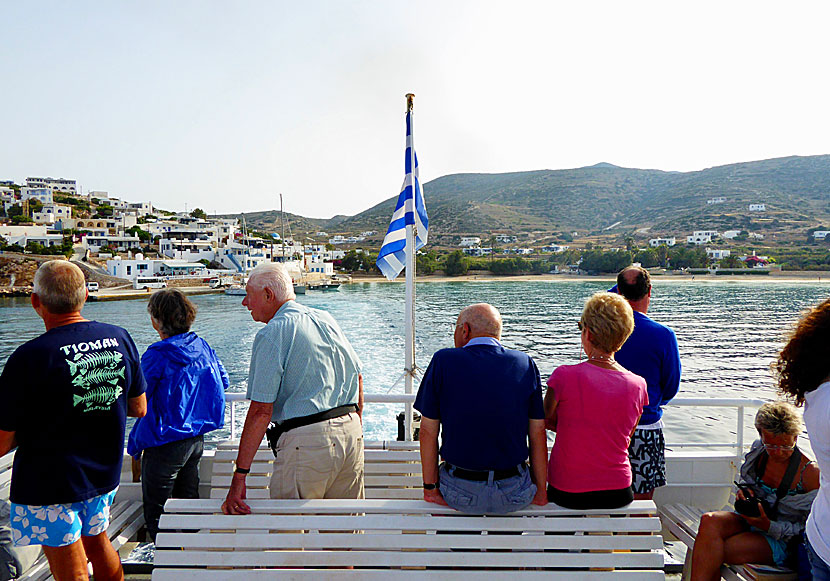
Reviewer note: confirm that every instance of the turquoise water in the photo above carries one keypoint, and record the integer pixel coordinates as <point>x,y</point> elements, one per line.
<point>729,333</point>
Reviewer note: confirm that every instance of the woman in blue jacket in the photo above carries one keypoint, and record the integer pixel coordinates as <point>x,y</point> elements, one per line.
<point>186,386</point>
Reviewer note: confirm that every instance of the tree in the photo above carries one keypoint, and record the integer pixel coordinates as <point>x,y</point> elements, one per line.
<point>456,264</point>
<point>104,211</point>
<point>199,213</point>
<point>663,255</point>
<point>648,258</point>
<point>14,210</point>
<point>731,262</point>
<point>35,205</point>
<point>143,235</point>
<point>426,263</point>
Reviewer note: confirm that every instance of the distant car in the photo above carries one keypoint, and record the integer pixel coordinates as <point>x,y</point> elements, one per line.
<point>92,287</point>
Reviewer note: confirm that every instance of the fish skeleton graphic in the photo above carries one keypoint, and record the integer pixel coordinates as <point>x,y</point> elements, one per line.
<point>98,375</point>
<point>83,363</point>
<point>101,397</point>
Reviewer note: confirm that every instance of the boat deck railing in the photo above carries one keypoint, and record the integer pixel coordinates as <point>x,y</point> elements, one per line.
<point>738,404</point>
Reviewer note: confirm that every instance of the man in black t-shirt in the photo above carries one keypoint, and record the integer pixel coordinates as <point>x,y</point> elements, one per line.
<point>64,401</point>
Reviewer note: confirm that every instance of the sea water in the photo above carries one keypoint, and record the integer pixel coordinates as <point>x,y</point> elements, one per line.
<point>729,333</point>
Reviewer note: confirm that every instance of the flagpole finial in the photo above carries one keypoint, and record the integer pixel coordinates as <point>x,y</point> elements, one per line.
<point>409,104</point>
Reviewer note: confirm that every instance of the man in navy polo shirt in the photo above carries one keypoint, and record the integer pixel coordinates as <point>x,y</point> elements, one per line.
<point>651,352</point>
<point>488,402</point>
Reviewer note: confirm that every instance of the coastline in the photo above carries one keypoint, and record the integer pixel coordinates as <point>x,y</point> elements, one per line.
<point>811,276</point>
<point>789,277</point>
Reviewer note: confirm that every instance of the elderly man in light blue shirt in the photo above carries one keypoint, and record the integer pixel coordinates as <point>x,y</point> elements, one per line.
<point>305,378</point>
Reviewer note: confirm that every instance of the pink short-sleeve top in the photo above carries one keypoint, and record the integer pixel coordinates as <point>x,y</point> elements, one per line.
<point>597,410</point>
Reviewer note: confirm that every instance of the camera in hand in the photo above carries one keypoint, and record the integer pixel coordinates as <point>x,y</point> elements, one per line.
<point>749,505</point>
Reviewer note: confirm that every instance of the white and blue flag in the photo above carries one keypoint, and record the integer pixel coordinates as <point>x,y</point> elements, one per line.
<point>409,210</point>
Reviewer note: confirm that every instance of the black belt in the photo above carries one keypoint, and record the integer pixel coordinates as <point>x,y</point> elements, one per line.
<point>484,475</point>
<point>274,430</point>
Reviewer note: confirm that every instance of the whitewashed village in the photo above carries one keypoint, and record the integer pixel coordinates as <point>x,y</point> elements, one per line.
<point>119,233</point>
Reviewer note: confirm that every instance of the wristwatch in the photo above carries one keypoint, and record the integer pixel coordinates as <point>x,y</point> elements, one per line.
<point>239,470</point>
<point>430,486</point>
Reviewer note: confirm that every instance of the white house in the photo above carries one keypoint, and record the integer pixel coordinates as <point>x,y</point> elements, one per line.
<point>94,242</point>
<point>324,268</point>
<point>477,251</point>
<point>730,234</point>
<point>142,208</point>
<point>505,239</point>
<point>53,185</point>
<point>718,200</point>
<point>51,214</point>
<point>130,269</point>
<point>556,248</point>
<point>698,239</point>
<point>821,234</point>
<point>470,241</point>
<point>655,242</point>
<point>757,208</point>
<point>43,195</point>
<point>717,253</point>
<point>756,236</point>
<point>22,235</point>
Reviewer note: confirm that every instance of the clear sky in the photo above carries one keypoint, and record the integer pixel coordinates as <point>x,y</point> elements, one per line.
<point>224,105</point>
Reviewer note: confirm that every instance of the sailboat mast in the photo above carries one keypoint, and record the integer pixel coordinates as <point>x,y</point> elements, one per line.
<point>282,225</point>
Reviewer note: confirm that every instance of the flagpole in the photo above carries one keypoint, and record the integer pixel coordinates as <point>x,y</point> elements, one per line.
<point>410,276</point>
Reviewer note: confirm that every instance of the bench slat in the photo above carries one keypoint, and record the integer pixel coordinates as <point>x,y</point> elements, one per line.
<point>387,541</point>
<point>402,522</point>
<point>358,575</point>
<point>347,506</point>
<point>345,558</point>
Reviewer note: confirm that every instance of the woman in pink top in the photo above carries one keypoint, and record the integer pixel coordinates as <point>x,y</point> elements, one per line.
<point>594,407</point>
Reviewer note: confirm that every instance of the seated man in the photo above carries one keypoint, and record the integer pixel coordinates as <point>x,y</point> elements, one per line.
<point>488,400</point>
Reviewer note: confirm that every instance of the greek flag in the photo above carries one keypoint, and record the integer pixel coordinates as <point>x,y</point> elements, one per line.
<point>410,210</point>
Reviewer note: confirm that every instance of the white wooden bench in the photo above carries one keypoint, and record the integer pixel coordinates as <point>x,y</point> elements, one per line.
<point>126,518</point>
<point>683,522</point>
<point>392,470</point>
<point>409,539</point>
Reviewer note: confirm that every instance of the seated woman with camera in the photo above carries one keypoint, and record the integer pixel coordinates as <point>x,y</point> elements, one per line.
<point>776,489</point>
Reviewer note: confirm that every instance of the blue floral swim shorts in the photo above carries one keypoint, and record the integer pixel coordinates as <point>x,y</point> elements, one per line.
<point>58,525</point>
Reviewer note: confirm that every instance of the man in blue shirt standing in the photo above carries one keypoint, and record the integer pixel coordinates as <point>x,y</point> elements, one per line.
<point>488,401</point>
<point>651,352</point>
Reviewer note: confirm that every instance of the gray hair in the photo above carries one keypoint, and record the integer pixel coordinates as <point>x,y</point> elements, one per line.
<point>274,276</point>
<point>484,320</point>
<point>60,286</point>
<point>778,418</point>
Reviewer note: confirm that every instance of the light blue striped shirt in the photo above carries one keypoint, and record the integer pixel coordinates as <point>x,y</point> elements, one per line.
<point>302,363</point>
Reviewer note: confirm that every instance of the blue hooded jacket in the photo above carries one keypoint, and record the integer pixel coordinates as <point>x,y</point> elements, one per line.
<point>186,386</point>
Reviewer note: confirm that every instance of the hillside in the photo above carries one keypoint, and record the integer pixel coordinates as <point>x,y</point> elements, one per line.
<point>795,190</point>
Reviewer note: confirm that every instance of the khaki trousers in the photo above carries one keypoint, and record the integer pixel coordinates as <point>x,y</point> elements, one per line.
<point>322,460</point>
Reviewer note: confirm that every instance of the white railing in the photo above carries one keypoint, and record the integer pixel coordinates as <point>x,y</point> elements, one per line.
<point>720,402</point>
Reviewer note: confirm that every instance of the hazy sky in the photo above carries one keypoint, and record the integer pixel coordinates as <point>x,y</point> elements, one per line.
<point>224,105</point>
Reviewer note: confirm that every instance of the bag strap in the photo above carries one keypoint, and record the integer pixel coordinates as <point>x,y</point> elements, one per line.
<point>786,479</point>
<point>789,475</point>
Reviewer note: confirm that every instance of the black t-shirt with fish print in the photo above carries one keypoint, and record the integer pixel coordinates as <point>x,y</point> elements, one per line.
<point>64,394</point>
